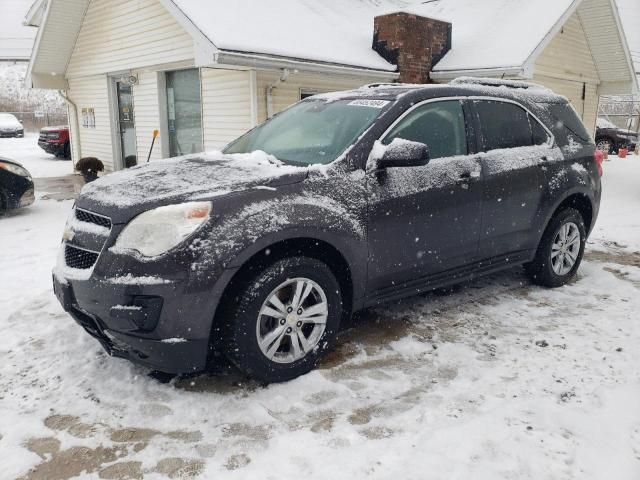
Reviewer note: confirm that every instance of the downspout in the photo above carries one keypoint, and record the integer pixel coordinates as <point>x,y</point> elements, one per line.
<point>283,78</point>
<point>76,126</point>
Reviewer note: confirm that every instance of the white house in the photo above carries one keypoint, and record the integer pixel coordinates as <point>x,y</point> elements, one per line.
<point>204,72</point>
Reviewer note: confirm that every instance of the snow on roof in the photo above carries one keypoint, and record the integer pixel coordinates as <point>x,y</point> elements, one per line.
<point>331,31</point>
<point>492,34</point>
<point>16,40</point>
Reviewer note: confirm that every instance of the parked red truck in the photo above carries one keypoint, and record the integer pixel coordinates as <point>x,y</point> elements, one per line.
<point>55,140</point>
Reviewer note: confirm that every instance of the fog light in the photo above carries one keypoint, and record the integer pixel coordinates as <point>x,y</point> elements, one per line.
<point>143,313</point>
<point>27,198</point>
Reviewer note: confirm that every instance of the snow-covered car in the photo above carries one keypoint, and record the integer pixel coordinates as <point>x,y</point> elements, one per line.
<point>10,126</point>
<point>344,201</point>
<point>16,186</point>
<point>609,134</point>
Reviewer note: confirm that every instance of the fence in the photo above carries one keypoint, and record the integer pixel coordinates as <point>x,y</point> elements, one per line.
<point>34,121</point>
<point>623,111</point>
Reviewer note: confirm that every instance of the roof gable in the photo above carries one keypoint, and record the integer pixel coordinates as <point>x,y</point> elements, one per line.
<point>16,40</point>
<point>494,34</point>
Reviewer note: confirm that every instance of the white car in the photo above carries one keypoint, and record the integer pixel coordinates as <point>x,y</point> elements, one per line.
<point>10,126</point>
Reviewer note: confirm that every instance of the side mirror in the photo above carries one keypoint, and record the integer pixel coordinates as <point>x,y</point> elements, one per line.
<point>403,153</point>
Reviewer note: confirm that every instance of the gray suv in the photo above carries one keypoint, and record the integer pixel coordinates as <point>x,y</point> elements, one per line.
<point>342,202</point>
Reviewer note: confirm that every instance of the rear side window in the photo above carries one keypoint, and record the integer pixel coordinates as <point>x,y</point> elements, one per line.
<point>439,125</point>
<point>540,135</point>
<point>566,117</point>
<point>505,125</point>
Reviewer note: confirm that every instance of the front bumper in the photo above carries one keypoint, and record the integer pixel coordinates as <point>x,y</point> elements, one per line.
<point>54,148</point>
<point>118,330</point>
<point>12,134</point>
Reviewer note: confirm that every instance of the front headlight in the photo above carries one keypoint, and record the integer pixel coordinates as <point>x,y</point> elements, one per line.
<point>157,231</point>
<point>15,169</point>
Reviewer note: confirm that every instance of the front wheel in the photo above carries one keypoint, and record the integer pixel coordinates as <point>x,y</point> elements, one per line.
<point>284,318</point>
<point>561,250</point>
<point>606,145</point>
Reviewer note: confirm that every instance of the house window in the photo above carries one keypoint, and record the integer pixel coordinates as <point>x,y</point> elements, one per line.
<point>306,93</point>
<point>184,112</point>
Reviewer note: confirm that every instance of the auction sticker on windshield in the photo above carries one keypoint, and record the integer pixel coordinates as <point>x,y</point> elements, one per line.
<point>370,103</point>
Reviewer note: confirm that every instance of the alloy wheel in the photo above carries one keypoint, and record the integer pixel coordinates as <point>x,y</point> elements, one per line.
<point>565,249</point>
<point>292,320</point>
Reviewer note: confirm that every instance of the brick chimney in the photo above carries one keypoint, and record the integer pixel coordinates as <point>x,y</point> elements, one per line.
<point>413,43</point>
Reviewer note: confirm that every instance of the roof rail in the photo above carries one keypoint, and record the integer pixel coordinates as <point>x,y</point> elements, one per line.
<point>376,85</point>
<point>496,82</point>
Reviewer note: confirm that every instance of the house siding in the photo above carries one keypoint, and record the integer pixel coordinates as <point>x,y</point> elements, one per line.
<point>288,93</point>
<point>226,106</point>
<point>93,92</point>
<point>146,108</point>
<point>567,66</point>
<point>117,35</point>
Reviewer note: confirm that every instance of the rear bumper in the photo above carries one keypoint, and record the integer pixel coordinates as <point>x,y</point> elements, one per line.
<point>117,333</point>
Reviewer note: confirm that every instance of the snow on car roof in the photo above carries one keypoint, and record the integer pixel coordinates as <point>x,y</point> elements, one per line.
<point>331,31</point>
<point>466,86</point>
<point>493,33</point>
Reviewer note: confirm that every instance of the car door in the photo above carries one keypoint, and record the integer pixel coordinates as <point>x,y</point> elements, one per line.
<point>424,220</point>
<point>515,149</point>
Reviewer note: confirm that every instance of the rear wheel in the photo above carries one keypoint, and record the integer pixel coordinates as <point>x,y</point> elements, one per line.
<point>283,319</point>
<point>561,250</point>
<point>67,151</point>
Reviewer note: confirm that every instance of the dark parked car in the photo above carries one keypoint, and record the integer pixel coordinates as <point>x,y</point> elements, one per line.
<point>608,133</point>
<point>10,126</point>
<point>56,141</point>
<point>342,202</point>
<point>16,186</point>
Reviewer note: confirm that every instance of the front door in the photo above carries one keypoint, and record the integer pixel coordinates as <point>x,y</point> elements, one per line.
<point>425,220</point>
<point>126,125</point>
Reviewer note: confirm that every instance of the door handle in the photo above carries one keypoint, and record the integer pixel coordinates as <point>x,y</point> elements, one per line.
<point>466,178</point>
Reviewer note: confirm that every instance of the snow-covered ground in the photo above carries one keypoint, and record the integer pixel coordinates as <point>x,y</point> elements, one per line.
<point>39,163</point>
<point>499,380</point>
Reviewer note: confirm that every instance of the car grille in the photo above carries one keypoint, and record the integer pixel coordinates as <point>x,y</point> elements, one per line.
<point>79,259</point>
<point>82,258</point>
<point>89,217</point>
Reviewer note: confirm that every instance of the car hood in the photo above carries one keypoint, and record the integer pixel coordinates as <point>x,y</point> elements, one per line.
<point>54,129</point>
<point>8,123</point>
<point>124,194</point>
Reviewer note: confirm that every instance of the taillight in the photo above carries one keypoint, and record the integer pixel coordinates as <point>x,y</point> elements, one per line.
<point>599,158</point>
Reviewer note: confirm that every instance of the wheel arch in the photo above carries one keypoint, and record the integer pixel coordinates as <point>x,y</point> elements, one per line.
<point>582,202</point>
<point>349,274</point>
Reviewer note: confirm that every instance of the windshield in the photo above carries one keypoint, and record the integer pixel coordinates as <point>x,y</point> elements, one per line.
<point>311,132</point>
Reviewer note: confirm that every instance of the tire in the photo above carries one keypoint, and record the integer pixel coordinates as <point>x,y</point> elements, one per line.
<point>555,271</point>
<point>67,151</point>
<point>612,144</point>
<point>246,325</point>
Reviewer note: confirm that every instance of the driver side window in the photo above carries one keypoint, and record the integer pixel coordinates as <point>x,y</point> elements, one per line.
<point>439,125</point>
